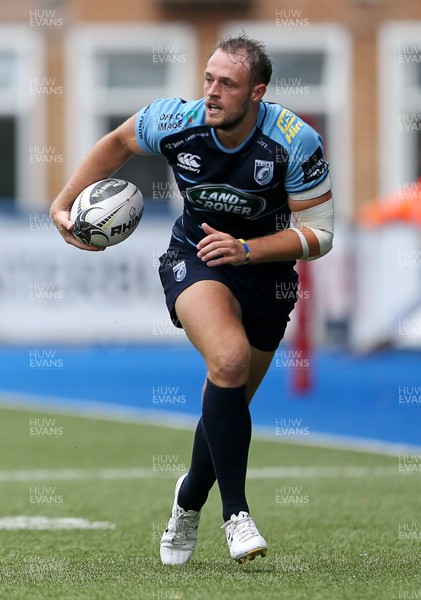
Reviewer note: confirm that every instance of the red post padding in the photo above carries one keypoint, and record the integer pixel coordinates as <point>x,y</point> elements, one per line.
<point>302,380</point>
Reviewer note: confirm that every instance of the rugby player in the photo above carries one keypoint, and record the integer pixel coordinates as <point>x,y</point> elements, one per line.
<point>257,197</point>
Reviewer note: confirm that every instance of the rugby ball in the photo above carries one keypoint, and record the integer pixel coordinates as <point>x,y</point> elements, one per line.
<point>106,212</point>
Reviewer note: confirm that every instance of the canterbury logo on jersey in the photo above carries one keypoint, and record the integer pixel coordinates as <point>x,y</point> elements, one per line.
<point>226,199</point>
<point>189,161</point>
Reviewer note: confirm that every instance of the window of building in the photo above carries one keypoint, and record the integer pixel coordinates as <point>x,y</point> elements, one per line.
<point>400,105</point>
<point>312,77</point>
<point>113,71</point>
<point>22,183</point>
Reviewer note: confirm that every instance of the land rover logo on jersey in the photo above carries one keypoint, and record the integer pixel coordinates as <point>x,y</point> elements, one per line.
<point>180,271</point>
<point>263,171</point>
<point>226,199</point>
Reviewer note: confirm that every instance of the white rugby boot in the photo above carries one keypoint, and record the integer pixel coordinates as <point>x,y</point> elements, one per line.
<point>244,541</point>
<point>179,539</point>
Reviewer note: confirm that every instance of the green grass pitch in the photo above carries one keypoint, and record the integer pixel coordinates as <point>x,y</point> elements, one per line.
<point>331,535</point>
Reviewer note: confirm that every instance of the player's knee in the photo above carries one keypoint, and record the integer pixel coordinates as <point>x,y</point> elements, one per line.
<point>229,367</point>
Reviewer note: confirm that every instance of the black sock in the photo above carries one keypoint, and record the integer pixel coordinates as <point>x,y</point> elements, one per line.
<point>227,423</point>
<point>201,477</point>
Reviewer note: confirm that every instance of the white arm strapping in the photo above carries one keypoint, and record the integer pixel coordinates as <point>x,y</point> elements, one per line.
<point>314,192</point>
<point>319,219</point>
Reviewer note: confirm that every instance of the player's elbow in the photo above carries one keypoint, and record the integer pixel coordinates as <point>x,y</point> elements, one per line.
<point>318,222</point>
<point>116,146</point>
<point>325,244</point>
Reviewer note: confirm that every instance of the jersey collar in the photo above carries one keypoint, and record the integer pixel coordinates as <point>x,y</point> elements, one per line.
<point>260,116</point>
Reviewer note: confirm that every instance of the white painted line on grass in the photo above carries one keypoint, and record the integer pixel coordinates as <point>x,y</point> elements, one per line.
<point>321,472</point>
<point>339,442</point>
<point>23,522</point>
<point>74,474</point>
<point>148,473</point>
<point>105,411</point>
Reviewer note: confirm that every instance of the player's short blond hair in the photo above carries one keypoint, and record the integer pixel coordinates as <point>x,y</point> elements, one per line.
<point>254,52</point>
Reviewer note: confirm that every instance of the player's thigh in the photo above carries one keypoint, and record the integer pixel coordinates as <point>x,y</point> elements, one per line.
<point>211,318</point>
<point>259,364</point>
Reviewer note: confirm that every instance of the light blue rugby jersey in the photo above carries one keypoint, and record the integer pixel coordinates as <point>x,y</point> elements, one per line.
<point>241,191</point>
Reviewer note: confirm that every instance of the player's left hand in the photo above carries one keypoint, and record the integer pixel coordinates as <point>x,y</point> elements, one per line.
<point>219,248</point>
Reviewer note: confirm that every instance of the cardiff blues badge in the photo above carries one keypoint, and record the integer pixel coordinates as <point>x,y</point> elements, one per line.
<point>263,171</point>
<point>180,271</point>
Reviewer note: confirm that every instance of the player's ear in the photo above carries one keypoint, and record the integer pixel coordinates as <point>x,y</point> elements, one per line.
<point>258,92</point>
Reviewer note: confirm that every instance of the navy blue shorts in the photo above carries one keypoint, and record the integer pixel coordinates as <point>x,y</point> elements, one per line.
<point>266,292</point>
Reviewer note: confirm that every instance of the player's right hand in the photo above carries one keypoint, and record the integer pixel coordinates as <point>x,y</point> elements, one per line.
<point>61,219</point>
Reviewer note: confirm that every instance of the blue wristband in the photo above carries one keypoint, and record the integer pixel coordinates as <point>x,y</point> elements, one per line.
<point>247,250</point>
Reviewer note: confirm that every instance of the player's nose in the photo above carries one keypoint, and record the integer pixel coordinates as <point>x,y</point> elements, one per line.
<point>214,90</point>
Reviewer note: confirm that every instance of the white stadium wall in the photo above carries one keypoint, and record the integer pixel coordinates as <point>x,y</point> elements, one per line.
<point>51,292</point>
<point>387,307</point>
